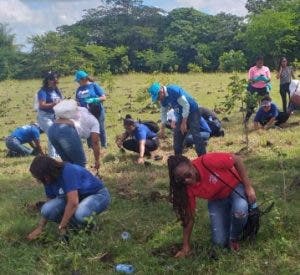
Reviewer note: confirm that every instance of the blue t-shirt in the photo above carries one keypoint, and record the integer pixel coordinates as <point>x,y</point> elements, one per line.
<point>49,96</point>
<point>142,132</point>
<point>74,177</point>
<point>204,126</point>
<point>90,90</point>
<point>175,92</point>
<point>26,133</point>
<point>263,117</point>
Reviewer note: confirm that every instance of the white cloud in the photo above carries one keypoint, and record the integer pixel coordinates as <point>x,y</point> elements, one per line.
<point>215,6</point>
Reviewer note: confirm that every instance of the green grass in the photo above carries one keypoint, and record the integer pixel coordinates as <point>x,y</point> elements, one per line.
<point>151,222</point>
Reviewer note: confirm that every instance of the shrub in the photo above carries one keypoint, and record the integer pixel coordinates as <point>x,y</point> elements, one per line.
<point>232,61</point>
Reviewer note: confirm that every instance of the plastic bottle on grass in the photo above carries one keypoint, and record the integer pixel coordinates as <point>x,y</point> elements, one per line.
<point>125,236</point>
<point>125,268</point>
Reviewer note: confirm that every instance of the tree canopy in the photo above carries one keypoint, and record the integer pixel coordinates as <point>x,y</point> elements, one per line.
<point>126,35</point>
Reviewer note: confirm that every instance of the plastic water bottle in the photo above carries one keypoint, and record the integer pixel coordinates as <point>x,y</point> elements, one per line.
<point>125,236</point>
<point>125,268</point>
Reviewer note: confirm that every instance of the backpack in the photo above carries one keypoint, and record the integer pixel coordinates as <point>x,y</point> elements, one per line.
<point>153,126</point>
<point>215,126</point>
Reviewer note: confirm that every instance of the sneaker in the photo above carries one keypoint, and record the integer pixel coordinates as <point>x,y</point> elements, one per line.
<point>234,245</point>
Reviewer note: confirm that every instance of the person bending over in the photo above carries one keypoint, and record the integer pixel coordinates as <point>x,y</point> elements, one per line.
<point>25,134</point>
<point>205,130</point>
<point>215,177</point>
<point>186,111</point>
<point>74,123</point>
<point>268,115</point>
<point>73,194</point>
<point>138,138</point>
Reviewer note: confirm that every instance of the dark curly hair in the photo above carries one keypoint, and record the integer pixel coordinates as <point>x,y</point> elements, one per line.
<point>44,166</point>
<point>178,191</point>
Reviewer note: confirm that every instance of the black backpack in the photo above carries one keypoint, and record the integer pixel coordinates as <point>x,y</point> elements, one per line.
<point>216,128</point>
<point>153,126</point>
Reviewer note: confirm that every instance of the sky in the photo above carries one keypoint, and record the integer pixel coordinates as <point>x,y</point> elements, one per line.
<point>31,17</point>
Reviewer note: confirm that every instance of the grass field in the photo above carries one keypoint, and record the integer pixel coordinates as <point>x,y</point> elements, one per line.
<point>139,205</point>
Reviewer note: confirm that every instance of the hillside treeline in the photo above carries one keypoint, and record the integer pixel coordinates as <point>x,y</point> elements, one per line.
<point>126,35</point>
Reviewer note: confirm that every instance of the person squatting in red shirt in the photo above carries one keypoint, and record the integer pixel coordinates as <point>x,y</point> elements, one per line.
<point>213,177</point>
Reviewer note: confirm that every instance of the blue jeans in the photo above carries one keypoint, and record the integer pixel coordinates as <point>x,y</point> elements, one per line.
<point>194,129</point>
<point>54,209</point>
<point>188,141</point>
<point>228,217</point>
<point>67,143</point>
<point>101,120</point>
<point>45,120</point>
<point>14,145</point>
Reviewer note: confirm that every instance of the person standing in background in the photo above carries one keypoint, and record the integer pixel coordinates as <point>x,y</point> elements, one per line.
<point>285,75</point>
<point>89,92</point>
<point>48,96</point>
<point>259,78</point>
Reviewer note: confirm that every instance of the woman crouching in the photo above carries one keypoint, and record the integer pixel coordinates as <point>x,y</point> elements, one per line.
<point>73,193</point>
<point>220,178</point>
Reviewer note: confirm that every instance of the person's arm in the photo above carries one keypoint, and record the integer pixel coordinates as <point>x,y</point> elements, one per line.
<point>270,123</point>
<point>72,204</point>
<point>279,73</point>
<point>38,230</point>
<point>187,232</point>
<point>142,151</point>
<point>250,76</point>
<point>163,112</point>
<point>120,139</point>
<point>292,73</point>
<point>38,146</point>
<point>241,169</point>
<point>100,92</point>
<point>96,149</point>
<point>185,113</point>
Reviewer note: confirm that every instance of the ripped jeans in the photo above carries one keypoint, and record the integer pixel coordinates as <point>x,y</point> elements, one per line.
<point>228,217</point>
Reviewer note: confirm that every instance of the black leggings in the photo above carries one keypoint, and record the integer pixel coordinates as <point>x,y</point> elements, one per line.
<point>133,145</point>
<point>284,90</point>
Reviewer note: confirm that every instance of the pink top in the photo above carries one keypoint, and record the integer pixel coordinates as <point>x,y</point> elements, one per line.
<point>255,72</point>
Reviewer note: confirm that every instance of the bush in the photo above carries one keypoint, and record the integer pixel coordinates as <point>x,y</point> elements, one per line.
<point>194,68</point>
<point>232,61</point>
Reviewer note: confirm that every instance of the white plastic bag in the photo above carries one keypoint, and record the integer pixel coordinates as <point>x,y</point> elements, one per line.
<point>67,108</point>
<point>295,87</point>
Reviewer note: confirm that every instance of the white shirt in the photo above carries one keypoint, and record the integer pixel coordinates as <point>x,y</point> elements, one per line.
<point>86,123</point>
<point>295,87</point>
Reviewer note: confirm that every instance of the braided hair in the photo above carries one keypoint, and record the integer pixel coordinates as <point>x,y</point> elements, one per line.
<point>178,191</point>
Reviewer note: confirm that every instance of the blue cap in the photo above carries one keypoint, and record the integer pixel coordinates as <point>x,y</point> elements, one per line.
<point>80,75</point>
<point>154,91</point>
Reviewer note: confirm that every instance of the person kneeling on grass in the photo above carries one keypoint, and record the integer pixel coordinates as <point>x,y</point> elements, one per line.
<point>138,138</point>
<point>268,115</point>
<point>73,193</point>
<point>220,178</point>
<point>25,134</point>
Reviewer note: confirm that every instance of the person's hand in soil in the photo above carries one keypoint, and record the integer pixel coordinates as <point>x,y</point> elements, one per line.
<point>184,252</point>
<point>140,160</point>
<point>34,234</point>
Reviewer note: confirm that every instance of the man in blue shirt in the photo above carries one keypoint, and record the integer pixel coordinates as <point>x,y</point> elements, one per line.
<point>25,134</point>
<point>269,115</point>
<point>186,111</point>
<point>138,138</point>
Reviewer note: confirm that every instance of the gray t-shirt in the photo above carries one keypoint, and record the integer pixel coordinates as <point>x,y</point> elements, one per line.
<point>286,75</point>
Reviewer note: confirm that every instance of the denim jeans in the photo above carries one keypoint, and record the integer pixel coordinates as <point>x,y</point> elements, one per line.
<point>67,143</point>
<point>54,209</point>
<point>45,120</point>
<point>188,141</point>
<point>228,217</point>
<point>14,145</point>
<point>194,129</point>
<point>102,128</point>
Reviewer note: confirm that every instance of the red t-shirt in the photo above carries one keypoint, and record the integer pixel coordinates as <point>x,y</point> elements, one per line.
<point>210,187</point>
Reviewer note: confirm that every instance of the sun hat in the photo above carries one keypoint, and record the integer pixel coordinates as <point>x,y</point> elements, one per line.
<point>80,75</point>
<point>67,109</point>
<point>154,91</point>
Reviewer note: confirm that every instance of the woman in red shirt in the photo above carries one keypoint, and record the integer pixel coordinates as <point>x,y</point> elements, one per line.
<point>201,178</point>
